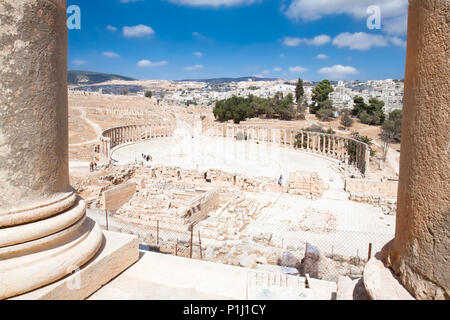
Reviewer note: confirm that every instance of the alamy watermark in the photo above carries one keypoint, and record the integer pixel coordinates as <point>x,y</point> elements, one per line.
<point>374,19</point>
<point>74,17</point>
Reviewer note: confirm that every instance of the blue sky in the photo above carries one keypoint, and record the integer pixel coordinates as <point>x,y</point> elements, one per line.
<point>192,39</point>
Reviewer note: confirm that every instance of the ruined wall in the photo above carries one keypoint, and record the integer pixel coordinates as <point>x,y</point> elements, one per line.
<point>114,198</point>
<point>307,184</point>
<point>385,188</point>
<point>422,240</point>
<point>218,178</point>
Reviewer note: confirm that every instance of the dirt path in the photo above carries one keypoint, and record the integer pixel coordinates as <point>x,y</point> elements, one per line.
<point>92,124</point>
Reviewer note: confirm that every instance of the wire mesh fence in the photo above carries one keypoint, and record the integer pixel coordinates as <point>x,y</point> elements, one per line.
<point>323,254</point>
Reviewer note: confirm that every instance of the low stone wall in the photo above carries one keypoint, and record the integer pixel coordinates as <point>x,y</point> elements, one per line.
<point>386,188</point>
<point>307,184</point>
<point>382,194</point>
<point>329,145</point>
<point>114,198</point>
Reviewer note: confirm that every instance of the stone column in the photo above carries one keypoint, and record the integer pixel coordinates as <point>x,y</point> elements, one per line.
<point>44,232</point>
<point>421,252</point>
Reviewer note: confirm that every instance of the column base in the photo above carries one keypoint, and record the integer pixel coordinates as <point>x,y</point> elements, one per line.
<point>117,253</point>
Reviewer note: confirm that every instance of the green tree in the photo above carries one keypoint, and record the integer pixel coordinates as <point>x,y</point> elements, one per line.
<point>125,91</point>
<point>325,114</point>
<point>391,131</point>
<point>148,94</point>
<point>320,94</point>
<point>358,106</point>
<point>299,91</point>
<point>351,147</point>
<point>286,108</point>
<point>372,113</point>
<point>239,109</point>
<point>346,120</point>
<point>326,111</point>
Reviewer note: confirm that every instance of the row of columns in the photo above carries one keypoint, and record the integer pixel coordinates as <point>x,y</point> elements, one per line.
<point>320,143</point>
<point>121,135</point>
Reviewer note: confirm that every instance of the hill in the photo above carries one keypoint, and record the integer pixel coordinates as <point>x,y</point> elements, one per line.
<point>228,80</point>
<point>87,77</point>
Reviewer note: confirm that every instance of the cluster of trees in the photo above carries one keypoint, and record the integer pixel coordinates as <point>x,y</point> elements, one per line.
<point>322,106</point>
<point>391,130</point>
<point>372,113</point>
<point>239,109</point>
<point>283,107</point>
<point>148,94</point>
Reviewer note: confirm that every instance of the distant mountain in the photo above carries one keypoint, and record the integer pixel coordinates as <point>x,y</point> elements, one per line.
<point>87,77</point>
<point>228,80</point>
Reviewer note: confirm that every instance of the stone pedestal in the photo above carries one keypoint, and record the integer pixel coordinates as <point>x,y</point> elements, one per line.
<point>422,240</point>
<point>44,232</point>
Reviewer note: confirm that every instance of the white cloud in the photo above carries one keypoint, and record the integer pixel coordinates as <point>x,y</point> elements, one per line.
<point>194,67</point>
<point>111,28</point>
<point>198,54</point>
<point>360,41</point>
<point>322,56</point>
<point>128,1</point>
<point>137,31</point>
<point>338,71</point>
<point>78,62</point>
<point>199,36</point>
<point>397,41</point>
<point>291,42</point>
<point>214,3</point>
<point>391,11</point>
<point>365,41</point>
<point>148,63</point>
<point>316,41</point>
<point>110,54</point>
<point>297,69</point>
<point>265,72</point>
<point>277,69</point>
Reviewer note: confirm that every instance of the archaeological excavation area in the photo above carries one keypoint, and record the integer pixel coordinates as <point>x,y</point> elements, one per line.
<point>213,193</point>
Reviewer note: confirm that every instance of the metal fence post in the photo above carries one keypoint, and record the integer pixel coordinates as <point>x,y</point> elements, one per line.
<point>192,240</point>
<point>370,252</point>
<point>106,215</point>
<point>157,232</point>
<point>200,244</point>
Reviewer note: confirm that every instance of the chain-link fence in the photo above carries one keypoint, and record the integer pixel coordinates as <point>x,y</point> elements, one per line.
<point>322,253</point>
